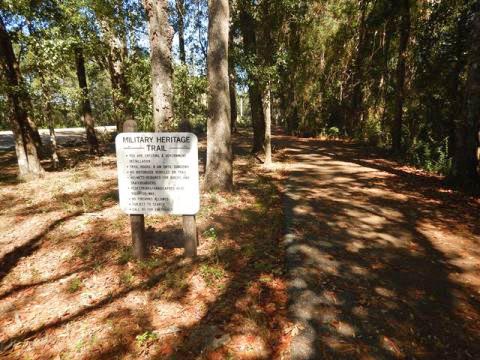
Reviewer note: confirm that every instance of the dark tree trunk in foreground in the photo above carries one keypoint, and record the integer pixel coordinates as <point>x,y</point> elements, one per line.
<point>258,120</point>
<point>233,101</point>
<point>27,153</point>
<point>400,76</point>
<point>161,36</point>
<point>86,107</point>
<point>180,6</point>
<point>247,27</point>
<point>467,152</point>
<point>218,175</point>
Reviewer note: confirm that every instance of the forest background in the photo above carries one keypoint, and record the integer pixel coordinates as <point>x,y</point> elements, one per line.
<point>401,75</point>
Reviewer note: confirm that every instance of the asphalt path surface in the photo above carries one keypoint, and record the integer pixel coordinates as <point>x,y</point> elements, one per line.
<point>65,137</point>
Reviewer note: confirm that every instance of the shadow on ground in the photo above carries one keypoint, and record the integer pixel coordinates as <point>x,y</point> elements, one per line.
<point>376,256</point>
<point>240,265</point>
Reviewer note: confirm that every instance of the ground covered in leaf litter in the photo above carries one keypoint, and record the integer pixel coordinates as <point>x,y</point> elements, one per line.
<point>384,259</point>
<point>70,288</point>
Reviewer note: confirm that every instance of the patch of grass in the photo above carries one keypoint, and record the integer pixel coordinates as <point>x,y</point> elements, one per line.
<point>149,264</point>
<point>263,266</point>
<point>175,282</point>
<point>211,273</point>
<point>118,224</point>
<point>146,337</point>
<point>84,252</point>
<point>110,196</point>
<point>261,206</point>
<point>90,203</point>
<point>214,198</point>
<point>265,279</point>
<point>127,278</point>
<point>76,176</point>
<point>211,233</point>
<point>74,285</point>
<point>231,200</point>
<point>205,210</point>
<point>248,250</point>
<point>65,201</point>
<point>125,256</point>
<point>79,346</point>
<point>97,265</point>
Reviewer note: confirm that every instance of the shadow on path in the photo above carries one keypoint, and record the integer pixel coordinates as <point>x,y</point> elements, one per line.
<point>369,276</point>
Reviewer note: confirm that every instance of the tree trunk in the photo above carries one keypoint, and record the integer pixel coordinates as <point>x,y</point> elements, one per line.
<point>266,52</point>
<point>233,100</point>
<point>267,113</point>
<point>290,79</point>
<point>456,82</point>
<point>400,75</point>
<point>232,85</point>
<point>27,155</point>
<point>385,71</point>
<point>467,154</point>
<point>47,109</point>
<point>161,36</point>
<point>180,6</point>
<point>185,124</point>
<point>86,107</point>
<point>117,46</point>
<point>51,126</point>
<point>247,27</point>
<point>357,76</point>
<point>218,174</point>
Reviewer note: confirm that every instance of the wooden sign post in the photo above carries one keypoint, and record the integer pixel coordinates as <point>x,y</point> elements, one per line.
<point>190,235</point>
<point>158,174</point>
<point>137,222</point>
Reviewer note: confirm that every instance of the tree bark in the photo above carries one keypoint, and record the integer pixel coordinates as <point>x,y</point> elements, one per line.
<point>47,108</point>
<point>233,85</point>
<point>267,113</point>
<point>117,54</point>
<point>86,107</point>
<point>27,155</point>
<point>266,52</point>
<point>357,76</point>
<point>218,174</point>
<point>161,36</point>
<point>387,36</point>
<point>51,127</point>
<point>456,84</point>
<point>400,76</point>
<point>467,154</point>
<point>180,6</point>
<point>290,79</point>
<point>233,100</point>
<point>247,27</point>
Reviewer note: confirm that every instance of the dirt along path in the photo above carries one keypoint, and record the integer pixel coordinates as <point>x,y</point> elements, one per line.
<point>383,260</point>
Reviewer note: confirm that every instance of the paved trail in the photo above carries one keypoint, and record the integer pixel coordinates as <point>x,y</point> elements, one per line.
<point>384,264</point>
<point>65,136</point>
